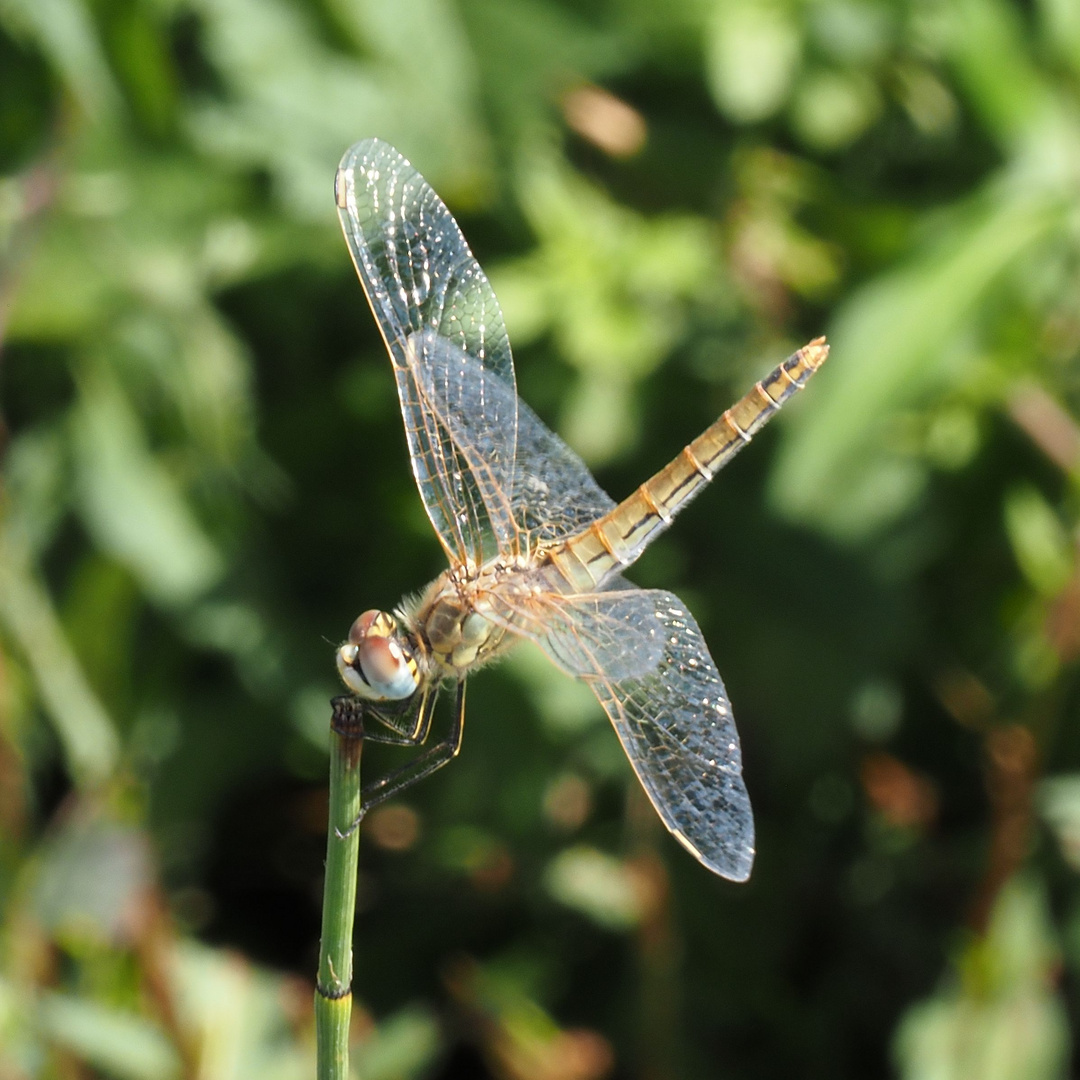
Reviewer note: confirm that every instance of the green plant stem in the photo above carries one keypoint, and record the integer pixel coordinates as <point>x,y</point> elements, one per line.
<point>333,994</point>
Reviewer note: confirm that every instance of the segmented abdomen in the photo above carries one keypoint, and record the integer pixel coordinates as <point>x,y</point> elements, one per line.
<point>619,537</point>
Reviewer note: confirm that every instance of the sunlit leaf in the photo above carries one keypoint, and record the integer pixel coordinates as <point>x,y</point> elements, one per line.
<point>1059,801</point>
<point>1038,539</point>
<point>753,50</point>
<point>1061,20</point>
<point>598,885</point>
<point>403,1045</point>
<point>132,504</point>
<point>832,109</point>
<point>86,731</point>
<point>299,105</point>
<point>1002,1020</point>
<point>887,347</point>
<point>989,48</point>
<point>65,32</point>
<point>611,285</point>
<point>856,32</point>
<point>35,483</point>
<point>121,1044</point>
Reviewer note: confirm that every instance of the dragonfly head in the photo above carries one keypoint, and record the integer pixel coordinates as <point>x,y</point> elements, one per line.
<point>377,662</point>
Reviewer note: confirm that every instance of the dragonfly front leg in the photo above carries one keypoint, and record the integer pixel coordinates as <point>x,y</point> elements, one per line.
<point>421,767</point>
<point>350,711</point>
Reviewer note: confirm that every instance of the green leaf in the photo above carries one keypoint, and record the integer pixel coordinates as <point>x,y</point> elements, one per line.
<point>833,108</point>
<point>598,885</point>
<point>990,49</point>
<point>124,1045</point>
<point>131,503</point>
<point>1039,541</point>
<point>613,286</point>
<point>887,352</point>
<point>1002,1019</point>
<point>403,1045</point>
<point>752,52</point>
<point>64,31</point>
<point>86,732</point>
<point>297,105</point>
<point>1059,804</point>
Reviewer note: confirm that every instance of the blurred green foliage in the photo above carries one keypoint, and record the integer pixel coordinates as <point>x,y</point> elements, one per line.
<point>204,481</point>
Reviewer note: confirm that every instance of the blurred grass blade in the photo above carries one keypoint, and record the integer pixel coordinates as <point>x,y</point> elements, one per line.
<point>131,503</point>
<point>120,1044</point>
<point>888,342</point>
<point>1039,541</point>
<point>89,740</point>
<point>990,50</point>
<point>64,31</point>
<point>403,1046</point>
<point>1061,25</point>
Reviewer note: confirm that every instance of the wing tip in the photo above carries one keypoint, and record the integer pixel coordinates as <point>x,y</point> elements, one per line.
<point>369,149</point>
<point>735,866</point>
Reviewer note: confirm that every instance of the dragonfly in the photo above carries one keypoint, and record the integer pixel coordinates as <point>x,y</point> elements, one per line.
<point>536,549</point>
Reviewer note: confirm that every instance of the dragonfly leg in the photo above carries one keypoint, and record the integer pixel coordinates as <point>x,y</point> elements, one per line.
<point>350,712</point>
<point>421,767</point>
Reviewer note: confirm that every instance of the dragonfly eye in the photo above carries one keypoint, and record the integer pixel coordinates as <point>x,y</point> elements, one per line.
<point>375,662</point>
<point>372,623</point>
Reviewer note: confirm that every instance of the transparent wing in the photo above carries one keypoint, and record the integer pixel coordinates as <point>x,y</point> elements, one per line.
<point>433,304</point>
<point>644,657</point>
<point>492,476</point>
<point>555,495</point>
<point>676,727</point>
<point>550,494</point>
<point>614,632</point>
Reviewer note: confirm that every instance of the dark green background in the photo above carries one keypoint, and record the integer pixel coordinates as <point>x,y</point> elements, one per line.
<point>205,480</point>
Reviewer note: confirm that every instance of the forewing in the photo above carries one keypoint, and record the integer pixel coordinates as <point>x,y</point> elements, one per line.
<point>551,493</point>
<point>676,727</point>
<point>554,495</point>
<point>433,304</point>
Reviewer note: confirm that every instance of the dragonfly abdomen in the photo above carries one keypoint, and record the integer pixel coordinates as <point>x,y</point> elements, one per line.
<point>619,537</point>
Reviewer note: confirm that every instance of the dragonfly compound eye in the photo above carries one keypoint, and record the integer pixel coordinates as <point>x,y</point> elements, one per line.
<point>375,663</point>
<point>372,624</point>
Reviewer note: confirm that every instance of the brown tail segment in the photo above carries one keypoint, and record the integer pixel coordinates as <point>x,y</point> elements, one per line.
<point>620,536</point>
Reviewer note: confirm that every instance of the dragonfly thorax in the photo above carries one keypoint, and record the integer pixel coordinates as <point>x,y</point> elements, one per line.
<point>451,617</point>
<point>378,662</point>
